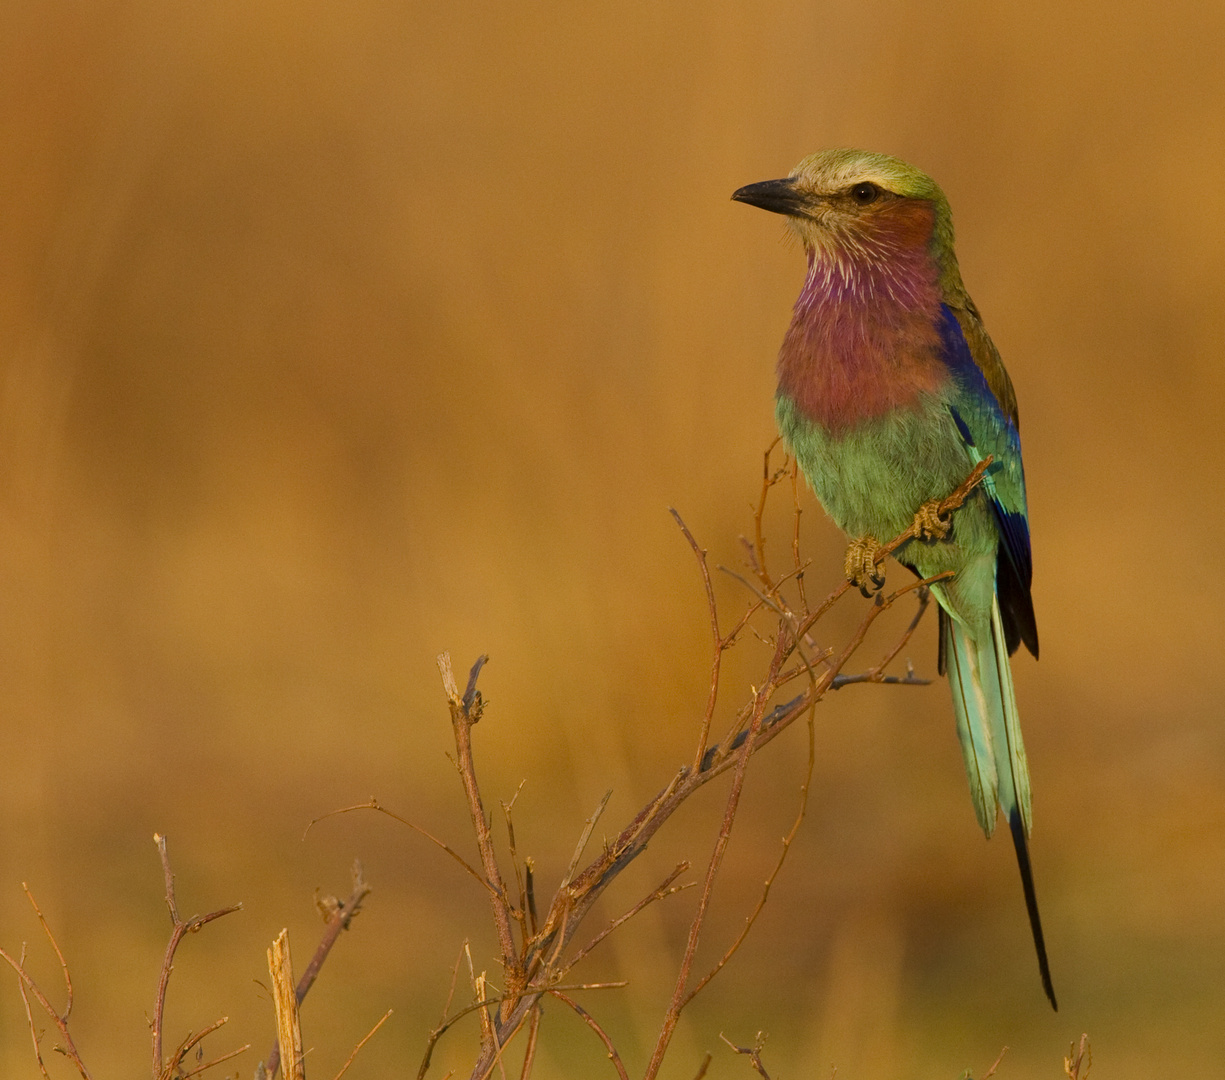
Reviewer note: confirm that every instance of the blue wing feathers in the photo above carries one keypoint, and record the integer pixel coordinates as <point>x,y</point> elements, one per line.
<point>986,429</point>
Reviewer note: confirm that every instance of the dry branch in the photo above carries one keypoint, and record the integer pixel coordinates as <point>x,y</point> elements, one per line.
<point>27,987</point>
<point>533,947</point>
<point>180,928</point>
<point>338,914</point>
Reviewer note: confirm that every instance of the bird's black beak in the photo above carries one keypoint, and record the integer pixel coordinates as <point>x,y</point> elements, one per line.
<point>777,196</point>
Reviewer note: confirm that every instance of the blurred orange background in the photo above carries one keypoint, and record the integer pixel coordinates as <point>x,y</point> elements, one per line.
<point>334,335</point>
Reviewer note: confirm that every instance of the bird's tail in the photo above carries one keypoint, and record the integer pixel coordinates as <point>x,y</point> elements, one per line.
<point>989,728</point>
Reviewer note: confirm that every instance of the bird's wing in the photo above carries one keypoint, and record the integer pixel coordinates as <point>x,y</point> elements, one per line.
<point>987,426</point>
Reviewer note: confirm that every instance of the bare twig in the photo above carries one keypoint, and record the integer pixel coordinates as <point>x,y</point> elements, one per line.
<point>173,1069</point>
<point>795,533</point>
<point>1078,1056</point>
<point>778,866</point>
<point>536,967</point>
<point>30,987</point>
<point>203,1068</point>
<point>58,954</point>
<point>665,889</point>
<point>995,1064</point>
<point>719,647</point>
<point>768,479</point>
<point>34,1036</point>
<point>753,1053</point>
<point>345,1067</point>
<point>373,804</point>
<point>521,911</point>
<point>590,1021</point>
<point>340,913</point>
<point>482,1004</point>
<point>465,712</point>
<point>588,826</point>
<point>180,928</point>
<point>533,1034</point>
<point>877,674</point>
<point>679,995</point>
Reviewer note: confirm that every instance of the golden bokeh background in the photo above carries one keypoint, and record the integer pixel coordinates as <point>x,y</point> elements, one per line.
<point>333,335</point>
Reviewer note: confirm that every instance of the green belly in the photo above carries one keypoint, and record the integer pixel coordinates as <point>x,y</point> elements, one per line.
<point>872,478</point>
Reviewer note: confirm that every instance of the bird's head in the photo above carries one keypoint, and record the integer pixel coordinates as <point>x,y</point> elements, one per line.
<point>857,206</point>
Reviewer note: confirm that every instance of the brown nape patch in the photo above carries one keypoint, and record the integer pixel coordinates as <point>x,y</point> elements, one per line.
<point>904,222</point>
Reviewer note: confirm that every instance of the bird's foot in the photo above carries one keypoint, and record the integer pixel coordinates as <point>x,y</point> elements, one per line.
<point>864,567</point>
<point>930,524</point>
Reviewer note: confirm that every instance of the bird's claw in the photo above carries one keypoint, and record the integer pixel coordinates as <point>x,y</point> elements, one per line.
<point>929,523</point>
<point>864,567</point>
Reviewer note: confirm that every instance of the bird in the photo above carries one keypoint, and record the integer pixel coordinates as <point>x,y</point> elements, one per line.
<point>890,393</point>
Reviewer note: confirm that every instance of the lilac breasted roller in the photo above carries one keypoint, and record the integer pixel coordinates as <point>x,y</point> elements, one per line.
<point>889,393</point>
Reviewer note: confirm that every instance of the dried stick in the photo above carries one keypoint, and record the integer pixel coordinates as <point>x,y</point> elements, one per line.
<point>753,1053</point>
<point>995,1065</point>
<point>284,1000</point>
<point>60,1018</point>
<point>679,997</point>
<point>533,1033</point>
<point>768,480</point>
<point>719,647</point>
<point>340,913</point>
<point>212,1064</point>
<point>1078,1056</point>
<point>537,967</point>
<point>590,1021</point>
<point>521,883</point>
<point>373,804</point>
<point>877,674</point>
<point>788,840</point>
<point>665,889</point>
<point>58,954</point>
<point>34,1036</point>
<point>795,532</point>
<point>466,711</point>
<point>180,928</point>
<point>69,1048</point>
<point>368,1036</point>
<point>482,1005</point>
<point>174,1064</point>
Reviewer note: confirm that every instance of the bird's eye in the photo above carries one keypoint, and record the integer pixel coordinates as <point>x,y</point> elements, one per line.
<point>865,193</point>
